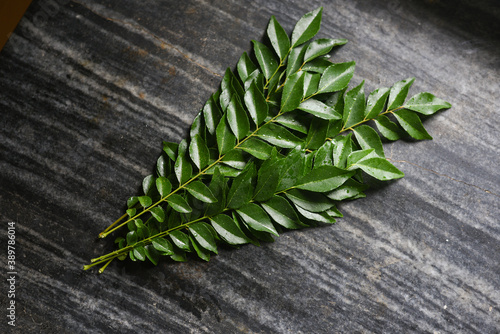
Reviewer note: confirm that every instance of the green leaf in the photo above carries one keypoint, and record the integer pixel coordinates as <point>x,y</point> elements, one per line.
<point>282,212</point>
<point>255,217</point>
<point>131,238</point>
<point>293,91</point>
<point>173,220</point>
<point>226,80</point>
<point>148,184</point>
<point>163,246</point>
<point>198,151</point>
<point>342,148</point>
<point>171,150</point>
<point>226,141</point>
<point>336,100</point>
<point>155,226</point>
<point>237,118</point>
<point>140,253</point>
<point>380,169</point>
<point>294,120</point>
<point>318,65</point>
<point>268,179</point>
<point>323,179</point>
<point>142,230</point>
<point>291,169</point>
<point>255,77</point>
<point>131,212</point>
<point>360,155</point>
<point>179,255</point>
<point>267,62</point>
<point>321,47</point>
<point>200,251</point>
<point>319,109</point>
<point>367,138</point>
<point>132,201</point>
<point>387,128</point>
<point>179,204</point>
<point>218,188</point>
<point>163,185</point>
<point>316,135</point>
<point>152,254</point>
<point>202,233</point>
<point>308,163</point>
<point>295,59</point>
<point>310,201</point>
<point>162,166</point>
<point>426,103</point>
<point>183,147</point>
<point>311,82</point>
<point>197,127</point>
<point>131,225</point>
<point>212,115</point>
<point>216,95</point>
<point>412,124</point>
<point>334,212</point>
<point>224,170</point>
<point>321,217</point>
<point>278,136</point>
<point>354,106</point>
<point>241,190</point>
<point>235,159</point>
<point>183,169</point>
<point>256,104</point>
<point>200,191</point>
<point>256,147</point>
<point>348,190</point>
<point>398,93</point>
<point>180,239</point>
<point>278,37</point>
<point>336,77</point>
<point>307,27</point>
<point>225,97</point>
<point>236,85</point>
<point>245,67</point>
<point>334,128</point>
<point>158,213</point>
<point>324,155</point>
<point>229,230</point>
<point>376,102</point>
<point>145,201</point>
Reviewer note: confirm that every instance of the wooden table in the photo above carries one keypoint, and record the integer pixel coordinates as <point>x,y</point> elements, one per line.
<point>90,88</point>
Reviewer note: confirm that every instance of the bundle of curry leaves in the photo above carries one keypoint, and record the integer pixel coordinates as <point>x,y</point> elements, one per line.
<point>275,148</point>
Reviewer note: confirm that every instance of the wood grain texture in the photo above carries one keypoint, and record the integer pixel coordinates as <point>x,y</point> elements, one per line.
<point>87,96</point>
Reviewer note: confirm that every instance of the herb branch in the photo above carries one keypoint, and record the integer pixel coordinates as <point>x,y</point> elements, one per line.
<point>275,148</point>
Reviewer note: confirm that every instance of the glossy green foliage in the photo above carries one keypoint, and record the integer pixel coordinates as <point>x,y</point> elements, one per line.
<point>276,147</point>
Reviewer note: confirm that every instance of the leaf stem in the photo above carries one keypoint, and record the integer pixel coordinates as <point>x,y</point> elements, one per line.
<point>366,120</point>
<point>145,241</point>
<point>116,222</point>
<point>108,230</point>
<point>277,69</point>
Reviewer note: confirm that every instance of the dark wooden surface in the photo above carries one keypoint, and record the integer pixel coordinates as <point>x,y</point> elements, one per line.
<point>88,93</point>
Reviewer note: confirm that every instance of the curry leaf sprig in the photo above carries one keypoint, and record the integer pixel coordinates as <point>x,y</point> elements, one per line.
<point>276,147</point>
